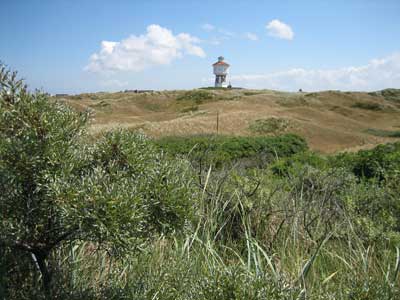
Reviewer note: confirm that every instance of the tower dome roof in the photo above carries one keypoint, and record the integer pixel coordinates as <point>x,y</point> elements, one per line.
<point>221,62</point>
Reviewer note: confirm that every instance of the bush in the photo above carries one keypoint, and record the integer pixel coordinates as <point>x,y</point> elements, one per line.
<point>284,166</point>
<point>379,162</point>
<point>223,150</point>
<point>56,189</point>
<point>160,187</point>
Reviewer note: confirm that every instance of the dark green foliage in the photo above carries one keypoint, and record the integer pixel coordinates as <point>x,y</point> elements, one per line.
<point>39,144</point>
<point>379,162</point>
<point>221,150</point>
<point>134,164</point>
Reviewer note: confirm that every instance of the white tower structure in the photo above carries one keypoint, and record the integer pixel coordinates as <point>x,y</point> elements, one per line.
<point>220,71</point>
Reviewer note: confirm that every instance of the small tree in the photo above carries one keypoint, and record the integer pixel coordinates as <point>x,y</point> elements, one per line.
<point>57,188</point>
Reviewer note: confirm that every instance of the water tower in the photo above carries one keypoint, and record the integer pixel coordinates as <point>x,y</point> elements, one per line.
<point>220,71</point>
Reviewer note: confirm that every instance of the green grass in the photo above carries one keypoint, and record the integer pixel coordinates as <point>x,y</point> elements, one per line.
<point>312,234</point>
<point>253,245</point>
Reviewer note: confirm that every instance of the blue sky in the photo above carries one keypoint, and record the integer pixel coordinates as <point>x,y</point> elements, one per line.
<point>86,46</point>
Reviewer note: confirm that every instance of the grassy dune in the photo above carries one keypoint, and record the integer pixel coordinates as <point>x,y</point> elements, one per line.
<point>330,121</point>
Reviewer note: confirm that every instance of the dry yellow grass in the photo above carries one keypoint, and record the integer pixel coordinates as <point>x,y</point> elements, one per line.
<point>330,121</point>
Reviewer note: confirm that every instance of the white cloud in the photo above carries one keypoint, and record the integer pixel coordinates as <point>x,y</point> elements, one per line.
<point>375,75</point>
<point>251,36</point>
<point>159,46</point>
<point>280,30</point>
<point>208,27</point>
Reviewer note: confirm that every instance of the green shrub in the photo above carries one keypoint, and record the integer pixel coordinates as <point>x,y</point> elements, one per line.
<point>222,150</point>
<point>160,187</point>
<point>284,166</point>
<point>379,162</point>
<point>56,189</point>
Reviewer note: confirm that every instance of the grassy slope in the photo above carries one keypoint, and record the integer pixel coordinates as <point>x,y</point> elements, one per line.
<point>330,121</point>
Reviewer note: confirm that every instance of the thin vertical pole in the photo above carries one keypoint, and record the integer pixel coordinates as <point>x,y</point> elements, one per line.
<point>217,121</point>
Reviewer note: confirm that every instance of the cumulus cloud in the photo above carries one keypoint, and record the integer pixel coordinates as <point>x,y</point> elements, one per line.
<point>208,27</point>
<point>375,75</point>
<point>159,46</point>
<point>280,30</point>
<point>251,36</point>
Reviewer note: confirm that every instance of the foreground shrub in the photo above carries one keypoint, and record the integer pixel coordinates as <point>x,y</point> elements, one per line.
<point>56,189</point>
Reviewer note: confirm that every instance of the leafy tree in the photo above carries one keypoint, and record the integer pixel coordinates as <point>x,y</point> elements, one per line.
<point>56,187</point>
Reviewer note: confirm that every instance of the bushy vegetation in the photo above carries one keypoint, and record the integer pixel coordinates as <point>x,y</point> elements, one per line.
<point>58,189</point>
<point>124,217</point>
<point>219,150</point>
<point>378,163</point>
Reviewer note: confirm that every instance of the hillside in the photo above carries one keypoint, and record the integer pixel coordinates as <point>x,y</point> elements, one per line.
<point>330,121</point>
